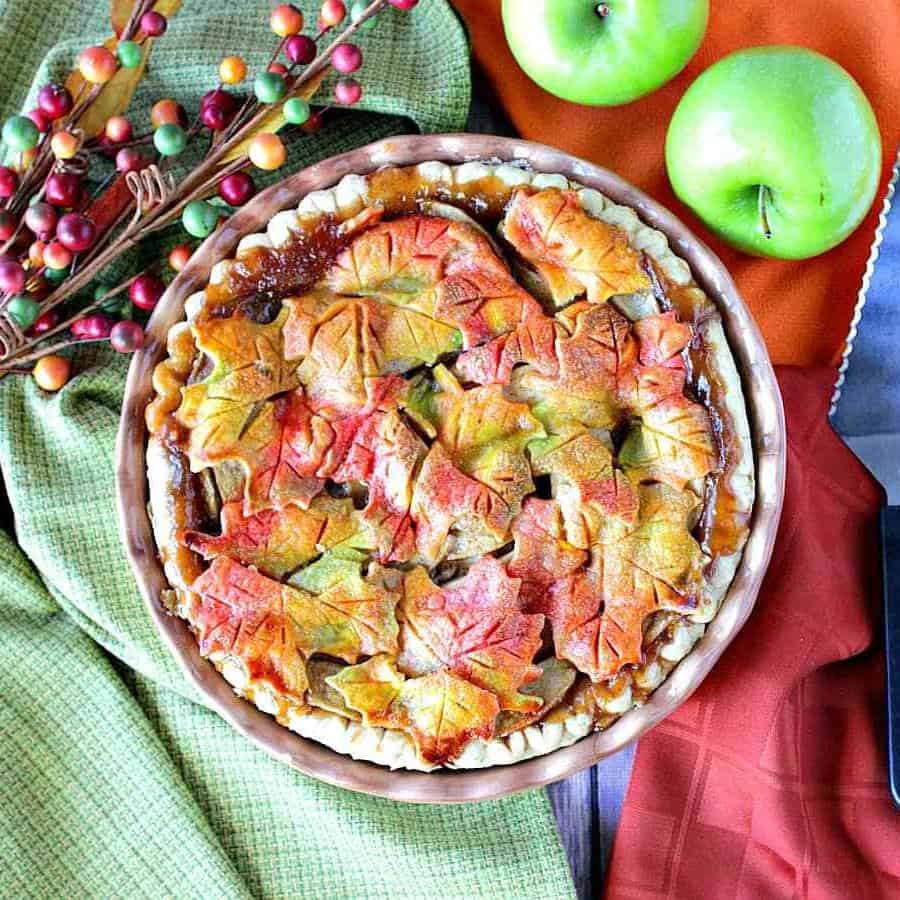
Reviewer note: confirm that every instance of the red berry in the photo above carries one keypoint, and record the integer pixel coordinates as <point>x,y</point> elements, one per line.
<point>278,69</point>
<point>41,218</point>
<point>146,290</point>
<point>300,49</point>
<point>62,189</point>
<point>45,322</point>
<point>41,119</point>
<point>55,100</point>
<point>126,337</point>
<point>92,327</point>
<point>347,91</point>
<point>75,232</point>
<point>7,225</point>
<point>346,58</point>
<point>12,275</point>
<point>153,24</point>
<point>129,160</point>
<point>8,182</point>
<point>217,109</point>
<point>314,122</point>
<point>237,188</point>
<point>405,5</point>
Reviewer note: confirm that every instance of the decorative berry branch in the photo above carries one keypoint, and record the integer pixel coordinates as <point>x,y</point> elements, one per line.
<point>56,238</point>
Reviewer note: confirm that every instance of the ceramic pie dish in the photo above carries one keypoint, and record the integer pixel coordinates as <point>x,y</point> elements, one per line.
<point>458,454</point>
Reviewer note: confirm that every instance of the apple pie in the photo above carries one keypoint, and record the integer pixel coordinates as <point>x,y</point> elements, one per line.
<point>449,467</point>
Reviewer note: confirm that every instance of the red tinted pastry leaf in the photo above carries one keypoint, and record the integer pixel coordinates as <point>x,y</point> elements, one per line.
<point>278,541</point>
<point>385,453</point>
<point>446,270</point>
<point>440,711</point>
<point>662,339</point>
<point>455,516</point>
<point>476,473</point>
<point>595,353</point>
<point>533,342</point>
<point>598,614</point>
<point>346,341</point>
<point>576,254</point>
<point>341,613</point>
<point>542,555</point>
<point>475,628</point>
<point>283,452</point>
<point>597,500</point>
<point>245,614</point>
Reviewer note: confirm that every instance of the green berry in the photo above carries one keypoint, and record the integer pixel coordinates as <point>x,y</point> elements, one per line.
<point>357,8</point>
<point>199,218</point>
<point>55,275</point>
<point>114,306</point>
<point>268,87</point>
<point>129,54</point>
<point>170,140</point>
<point>23,311</point>
<point>20,133</point>
<point>296,110</point>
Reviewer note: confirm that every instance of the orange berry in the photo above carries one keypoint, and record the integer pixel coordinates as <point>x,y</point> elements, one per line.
<point>232,70</point>
<point>333,12</point>
<point>179,256</point>
<point>97,65</point>
<point>286,20</point>
<point>52,372</point>
<point>56,256</point>
<point>167,112</point>
<point>118,129</point>
<point>36,254</point>
<point>267,151</point>
<point>26,158</point>
<point>64,145</point>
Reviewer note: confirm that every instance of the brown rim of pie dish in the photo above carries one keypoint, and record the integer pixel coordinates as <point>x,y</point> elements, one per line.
<point>767,428</point>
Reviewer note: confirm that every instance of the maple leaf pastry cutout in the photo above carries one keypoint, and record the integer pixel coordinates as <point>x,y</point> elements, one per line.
<point>574,253</point>
<point>273,628</point>
<point>440,711</point>
<point>597,612</point>
<point>475,474</point>
<point>475,628</point>
<point>443,269</point>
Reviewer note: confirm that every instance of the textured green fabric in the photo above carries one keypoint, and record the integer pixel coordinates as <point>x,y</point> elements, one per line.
<point>115,780</point>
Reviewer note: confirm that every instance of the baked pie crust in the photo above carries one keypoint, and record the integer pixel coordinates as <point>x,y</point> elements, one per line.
<point>451,466</point>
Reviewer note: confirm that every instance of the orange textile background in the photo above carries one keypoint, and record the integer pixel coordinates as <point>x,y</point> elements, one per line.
<point>803,308</point>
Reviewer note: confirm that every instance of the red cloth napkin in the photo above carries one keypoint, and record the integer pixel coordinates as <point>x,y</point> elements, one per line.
<point>771,781</point>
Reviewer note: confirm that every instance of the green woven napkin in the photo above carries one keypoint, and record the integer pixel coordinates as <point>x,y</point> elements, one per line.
<point>121,782</point>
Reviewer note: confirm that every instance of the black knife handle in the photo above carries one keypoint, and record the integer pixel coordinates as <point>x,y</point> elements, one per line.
<point>890,555</point>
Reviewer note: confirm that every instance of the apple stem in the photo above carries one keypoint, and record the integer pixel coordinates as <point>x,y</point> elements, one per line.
<point>602,10</point>
<point>763,213</point>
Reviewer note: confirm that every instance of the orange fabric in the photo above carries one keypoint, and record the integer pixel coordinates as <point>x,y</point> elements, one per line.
<point>803,308</point>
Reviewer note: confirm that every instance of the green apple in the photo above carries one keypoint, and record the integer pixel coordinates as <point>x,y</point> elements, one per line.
<point>603,54</point>
<point>777,150</point>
